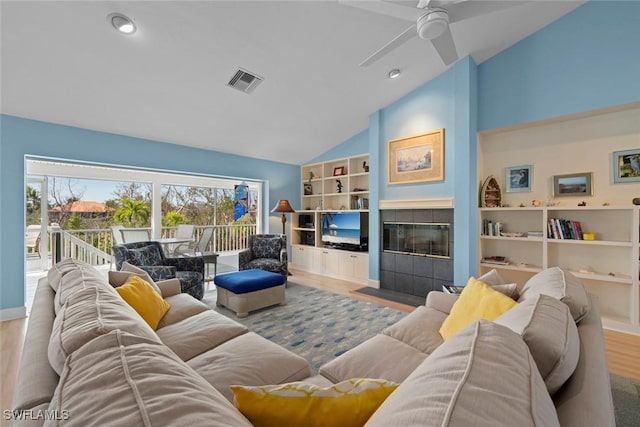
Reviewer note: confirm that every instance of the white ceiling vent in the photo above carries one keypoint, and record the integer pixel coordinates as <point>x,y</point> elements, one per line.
<point>244,81</point>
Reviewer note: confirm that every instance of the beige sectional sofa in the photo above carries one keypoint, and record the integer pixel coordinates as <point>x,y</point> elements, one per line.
<point>90,360</point>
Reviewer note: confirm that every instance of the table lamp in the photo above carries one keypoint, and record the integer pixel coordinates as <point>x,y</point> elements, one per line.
<point>283,207</point>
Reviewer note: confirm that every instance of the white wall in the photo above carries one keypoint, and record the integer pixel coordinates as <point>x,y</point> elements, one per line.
<point>561,147</point>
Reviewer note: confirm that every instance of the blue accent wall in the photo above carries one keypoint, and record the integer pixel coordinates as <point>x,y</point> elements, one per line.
<point>586,60</point>
<point>22,137</point>
<point>354,146</point>
<point>449,102</point>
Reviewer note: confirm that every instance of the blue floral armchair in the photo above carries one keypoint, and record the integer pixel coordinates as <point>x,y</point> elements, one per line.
<point>266,252</point>
<point>149,256</point>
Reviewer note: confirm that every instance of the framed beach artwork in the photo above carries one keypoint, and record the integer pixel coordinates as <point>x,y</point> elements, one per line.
<point>417,158</point>
<point>518,179</point>
<point>626,166</point>
<point>572,185</point>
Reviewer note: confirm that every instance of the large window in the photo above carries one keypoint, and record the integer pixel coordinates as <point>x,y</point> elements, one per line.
<point>87,198</point>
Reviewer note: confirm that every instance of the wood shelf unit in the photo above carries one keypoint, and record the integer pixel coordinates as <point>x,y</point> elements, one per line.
<point>608,266</point>
<point>314,258</point>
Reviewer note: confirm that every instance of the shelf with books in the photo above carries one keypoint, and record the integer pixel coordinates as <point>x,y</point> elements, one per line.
<point>608,265</point>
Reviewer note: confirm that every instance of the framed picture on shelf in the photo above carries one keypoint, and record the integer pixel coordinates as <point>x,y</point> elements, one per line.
<point>626,166</point>
<point>417,158</point>
<point>518,179</point>
<point>573,185</point>
<point>338,170</point>
<point>308,189</point>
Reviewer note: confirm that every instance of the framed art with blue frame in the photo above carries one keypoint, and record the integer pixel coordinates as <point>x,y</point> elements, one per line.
<point>518,179</point>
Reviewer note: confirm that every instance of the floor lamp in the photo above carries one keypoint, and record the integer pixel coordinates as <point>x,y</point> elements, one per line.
<point>283,207</point>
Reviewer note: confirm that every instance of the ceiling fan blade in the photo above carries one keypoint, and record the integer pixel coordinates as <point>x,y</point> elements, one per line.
<point>395,10</point>
<point>399,40</point>
<point>471,9</point>
<point>445,47</point>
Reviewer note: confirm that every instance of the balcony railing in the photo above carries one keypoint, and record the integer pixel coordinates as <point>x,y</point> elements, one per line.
<point>93,246</point>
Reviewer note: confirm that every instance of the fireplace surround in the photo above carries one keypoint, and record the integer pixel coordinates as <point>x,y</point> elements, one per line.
<point>416,250</point>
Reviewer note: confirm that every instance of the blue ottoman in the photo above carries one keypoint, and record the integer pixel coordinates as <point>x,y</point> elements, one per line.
<point>248,290</point>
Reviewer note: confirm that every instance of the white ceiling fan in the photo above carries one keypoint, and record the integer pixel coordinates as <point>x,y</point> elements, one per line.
<point>431,19</point>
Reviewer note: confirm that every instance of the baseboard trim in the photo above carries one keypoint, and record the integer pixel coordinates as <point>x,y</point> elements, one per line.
<point>373,283</point>
<point>12,313</point>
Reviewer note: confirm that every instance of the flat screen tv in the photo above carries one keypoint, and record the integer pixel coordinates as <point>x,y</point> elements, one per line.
<point>348,230</point>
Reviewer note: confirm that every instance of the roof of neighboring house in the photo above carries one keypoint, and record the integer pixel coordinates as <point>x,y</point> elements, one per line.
<point>82,206</point>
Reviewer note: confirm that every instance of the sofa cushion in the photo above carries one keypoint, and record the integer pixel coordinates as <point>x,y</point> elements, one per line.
<point>122,379</point>
<point>463,383</point>
<point>249,360</point>
<point>87,314</point>
<point>346,404</point>
<point>197,334</point>
<point>547,327</point>
<point>375,358</point>
<point>73,281</point>
<point>477,301</point>
<point>59,270</point>
<point>182,307</point>
<point>266,247</point>
<point>561,285</point>
<point>419,329</point>
<point>141,296</point>
<point>117,278</point>
<point>497,283</point>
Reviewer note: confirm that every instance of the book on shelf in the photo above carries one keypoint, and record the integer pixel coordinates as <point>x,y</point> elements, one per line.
<point>536,234</point>
<point>564,229</point>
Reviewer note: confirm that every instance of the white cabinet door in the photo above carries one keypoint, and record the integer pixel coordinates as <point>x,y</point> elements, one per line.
<point>354,266</point>
<point>302,257</point>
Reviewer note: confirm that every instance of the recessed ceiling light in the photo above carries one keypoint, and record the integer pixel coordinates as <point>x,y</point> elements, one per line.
<point>122,23</point>
<point>394,74</point>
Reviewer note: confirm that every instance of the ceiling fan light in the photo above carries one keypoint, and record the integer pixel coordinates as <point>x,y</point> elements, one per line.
<point>433,24</point>
<point>122,23</point>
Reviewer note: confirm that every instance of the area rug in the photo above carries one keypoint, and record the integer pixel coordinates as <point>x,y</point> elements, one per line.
<point>320,325</point>
<point>315,324</point>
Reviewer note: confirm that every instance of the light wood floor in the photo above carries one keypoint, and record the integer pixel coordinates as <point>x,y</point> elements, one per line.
<point>623,350</point>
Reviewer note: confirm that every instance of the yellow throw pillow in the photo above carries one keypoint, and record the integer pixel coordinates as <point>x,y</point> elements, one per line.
<point>477,301</point>
<point>345,404</point>
<point>140,295</point>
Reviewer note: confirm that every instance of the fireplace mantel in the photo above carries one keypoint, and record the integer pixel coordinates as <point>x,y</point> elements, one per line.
<point>433,203</point>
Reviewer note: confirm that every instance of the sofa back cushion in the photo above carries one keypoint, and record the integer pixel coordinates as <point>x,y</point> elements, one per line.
<point>123,379</point>
<point>266,247</point>
<point>547,327</point>
<point>76,280</point>
<point>477,301</point>
<point>59,270</point>
<point>562,285</point>
<point>484,376</point>
<point>87,314</point>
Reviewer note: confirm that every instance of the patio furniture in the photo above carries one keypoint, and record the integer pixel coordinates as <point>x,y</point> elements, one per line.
<point>150,257</point>
<point>32,239</point>
<point>249,290</point>
<point>131,235</point>
<point>116,235</point>
<point>184,231</point>
<point>265,252</point>
<point>200,250</point>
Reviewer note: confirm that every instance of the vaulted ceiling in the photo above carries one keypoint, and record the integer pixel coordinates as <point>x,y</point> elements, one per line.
<point>62,62</point>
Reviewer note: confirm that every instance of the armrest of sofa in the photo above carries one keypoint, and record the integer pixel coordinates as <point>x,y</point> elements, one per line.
<point>585,399</point>
<point>441,301</point>
<point>169,287</point>
<point>283,255</point>
<point>192,263</point>
<point>244,256</point>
